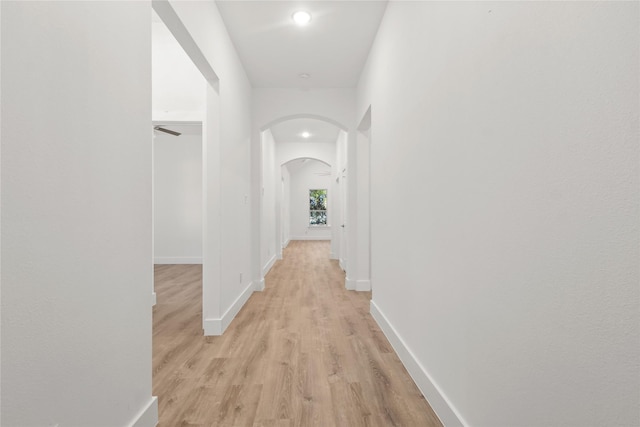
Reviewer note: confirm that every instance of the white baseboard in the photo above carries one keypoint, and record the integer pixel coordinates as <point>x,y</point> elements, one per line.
<point>148,417</point>
<point>349,284</point>
<point>153,299</point>
<point>268,265</point>
<point>218,326</point>
<point>311,238</point>
<point>333,255</point>
<point>286,243</point>
<point>260,285</point>
<point>363,285</point>
<point>177,260</point>
<point>342,264</point>
<point>438,401</point>
<point>212,327</point>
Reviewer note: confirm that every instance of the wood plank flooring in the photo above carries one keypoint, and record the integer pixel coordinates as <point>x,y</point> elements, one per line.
<point>305,352</point>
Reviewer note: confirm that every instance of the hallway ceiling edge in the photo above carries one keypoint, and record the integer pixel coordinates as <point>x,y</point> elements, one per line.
<point>332,48</point>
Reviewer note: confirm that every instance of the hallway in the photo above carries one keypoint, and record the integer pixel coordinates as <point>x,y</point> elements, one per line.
<point>305,352</point>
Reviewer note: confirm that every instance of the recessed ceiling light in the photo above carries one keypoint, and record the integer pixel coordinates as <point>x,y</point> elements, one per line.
<point>301,18</point>
<point>304,75</point>
<point>306,134</point>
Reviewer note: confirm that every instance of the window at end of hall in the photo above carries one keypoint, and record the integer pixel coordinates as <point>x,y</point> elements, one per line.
<point>318,207</point>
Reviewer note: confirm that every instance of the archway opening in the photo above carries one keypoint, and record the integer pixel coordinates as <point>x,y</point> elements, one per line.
<point>307,195</point>
<point>300,195</point>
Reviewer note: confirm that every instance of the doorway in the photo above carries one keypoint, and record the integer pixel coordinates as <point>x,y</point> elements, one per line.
<point>297,152</point>
<point>193,97</point>
<point>307,213</point>
<point>177,193</point>
<point>178,106</point>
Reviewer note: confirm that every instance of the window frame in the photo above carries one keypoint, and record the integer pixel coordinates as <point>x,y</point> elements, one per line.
<point>326,210</point>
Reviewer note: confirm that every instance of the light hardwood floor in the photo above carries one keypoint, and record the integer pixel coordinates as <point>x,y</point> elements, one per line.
<point>305,352</point>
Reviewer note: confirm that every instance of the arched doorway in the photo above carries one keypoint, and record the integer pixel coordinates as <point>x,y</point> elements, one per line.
<point>301,143</point>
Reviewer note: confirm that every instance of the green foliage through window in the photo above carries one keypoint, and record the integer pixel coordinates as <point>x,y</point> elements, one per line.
<point>318,207</point>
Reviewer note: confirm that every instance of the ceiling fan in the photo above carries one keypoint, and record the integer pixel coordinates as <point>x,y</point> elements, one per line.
<point>165,130</point>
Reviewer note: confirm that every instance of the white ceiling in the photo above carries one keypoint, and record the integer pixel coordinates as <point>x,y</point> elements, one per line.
<point>332,48</point>
<point>291,131</point>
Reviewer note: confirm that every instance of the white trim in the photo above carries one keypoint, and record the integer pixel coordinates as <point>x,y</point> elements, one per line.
<point>333,255</point>
<point>212,327</point>
<point>177,260</point>
<point>363,285</point>
<point>218,326</point>
<point>286,243</point>
<point>268,265</point>
<point>311,238</point>
<point>147,417</point>
<point>260,285</point>
<point>443,408</point>
<point>154,300</point>
<point>342,263</point>
<point>349,284</point>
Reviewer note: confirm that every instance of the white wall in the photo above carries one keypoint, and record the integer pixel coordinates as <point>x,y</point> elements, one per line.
<point>269,238</point>
<point>363,224</point>
<point>178,87</point>
<point>228,279</point>
<point>272,104</point>
<point>323,151</point>
<point>0,214</point>
<point>76,214</point>
<point>285,212</point>
<point>304,177</point>
<point>504,165</point>
<point>177,179</point>
<point>339,232</point>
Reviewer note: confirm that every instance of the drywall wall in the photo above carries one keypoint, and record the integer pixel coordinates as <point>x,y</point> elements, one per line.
<point>285,207</point>
<point>230,279</point>
<point>76,214</point>
<point>270,105</point>
<point>339,233</point>
<point>177,195</point>
<point>178,87</point>
<point>323,151</point>
<point>0,218</point>
<point>504,194</point>
<point>269,238</point>
<point>308,175</point>
<point>363,222</point>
